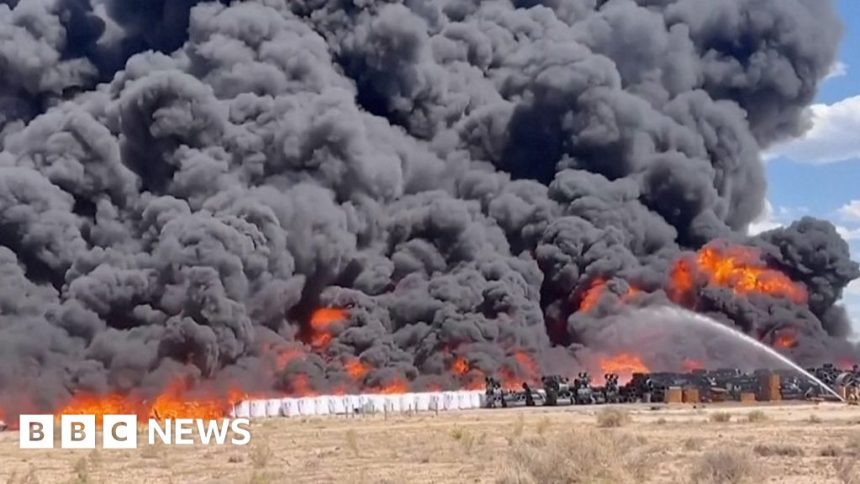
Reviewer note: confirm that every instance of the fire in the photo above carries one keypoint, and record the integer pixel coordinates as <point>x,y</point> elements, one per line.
<point>394,388</point>
<point>174,403</point>
<point>785,339</point>
<point>681,281</point>
<point>321,322</point>
<point>460,366</point>
<point>356,369</point>
<point>595,291</point>
<point>736,267</point>
<point>100,405</point>
<point>592,294</point>
<point>624,365</point>
<point>690,364</point>
<point>285,356</point>
<point>526,369</point>
<point>300,387</point>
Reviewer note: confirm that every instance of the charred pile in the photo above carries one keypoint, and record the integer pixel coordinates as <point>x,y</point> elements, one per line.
<point>697,386</point>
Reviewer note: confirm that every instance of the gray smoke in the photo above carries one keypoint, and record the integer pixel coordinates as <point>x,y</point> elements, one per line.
<point>182,184</point>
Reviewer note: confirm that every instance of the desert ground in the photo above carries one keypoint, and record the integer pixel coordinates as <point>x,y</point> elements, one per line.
<point>801,443</point>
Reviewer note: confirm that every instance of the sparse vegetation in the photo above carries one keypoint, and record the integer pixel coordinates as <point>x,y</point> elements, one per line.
<point>693,444</point>
<point>472,447</point>
<point>723,467</point>
<point>781,450</point>
<point>543,425</point>
<point>260,478</point>
<point>466,439</point>
<point>757,416</point>
<point>517,432</point>
<point>580,456</point>
<point>28,478</point>
<point>848,471</point>
<point>830,450</point>
<point>261,454</point>
<point>81,472</point>
<point>352,441</point>
<point>720,417</point>
<point>612,417</point>
<point>852,445</point>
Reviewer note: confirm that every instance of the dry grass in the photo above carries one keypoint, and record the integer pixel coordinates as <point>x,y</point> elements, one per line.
<point>720,417</point>
<point>848,471</point>
<point>513,445</point>
<point>757,416</point>
<point>723,467</point>
<point>27,478</point>
<point>780,450</point>
<point>582,456</point>
<point>81,472</point>
<point>466,439</point>
<point>542,426</point>
<point>830,450</point>
<point>352,441</point>
<point>261,454</point>
<point>693,444</point>
<point>612,417</point>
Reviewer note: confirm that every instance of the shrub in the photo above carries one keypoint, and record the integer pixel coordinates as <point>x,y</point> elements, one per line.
<point>612,417</point>
<point>581,456</point>
<point>769,450</point>
<point>757,416</point>
<point>720,417</point>
<point>723,467</point>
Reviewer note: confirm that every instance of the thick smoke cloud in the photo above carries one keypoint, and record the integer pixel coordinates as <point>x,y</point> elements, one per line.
<point>182,184</point>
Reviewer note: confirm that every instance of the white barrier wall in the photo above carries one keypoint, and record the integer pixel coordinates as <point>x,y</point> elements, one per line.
<point>353,404</point>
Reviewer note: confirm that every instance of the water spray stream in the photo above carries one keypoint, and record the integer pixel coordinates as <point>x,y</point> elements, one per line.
<point>699,319</point>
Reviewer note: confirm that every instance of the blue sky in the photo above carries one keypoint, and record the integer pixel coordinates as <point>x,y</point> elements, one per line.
<point>820,173</point>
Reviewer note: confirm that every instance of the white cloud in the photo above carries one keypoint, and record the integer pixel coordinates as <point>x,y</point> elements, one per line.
<point>775,217</point>
<point>767,220</point>
<point>853,288</point>
<point>834,136</point>
<point>838,69</point>
<point>849,234</point>
<point>850,211</point>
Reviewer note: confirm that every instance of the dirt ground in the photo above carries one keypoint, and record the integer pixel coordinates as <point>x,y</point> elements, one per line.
<point>682,444</point>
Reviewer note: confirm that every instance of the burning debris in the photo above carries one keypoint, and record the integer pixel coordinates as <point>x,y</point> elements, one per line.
<point>304,197</point>
<point>697,386</point>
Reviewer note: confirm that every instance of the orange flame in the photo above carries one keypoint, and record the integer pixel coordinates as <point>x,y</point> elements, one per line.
<point>460,366</point>
<point>624,365</point>
<point>300,387</point>
<point>356,369</point>
<point>285,356</point>
<point>736,267</point>
<point>592,294</point>
<point>595,290</point>
<point>321,325</point>
<point>394,388</point>
<point>175,401</point>
<point>525,369</point>
<point>689,365</point>
<point>785,339</point>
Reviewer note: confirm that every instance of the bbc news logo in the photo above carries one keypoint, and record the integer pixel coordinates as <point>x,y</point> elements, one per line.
<point>120,432</point>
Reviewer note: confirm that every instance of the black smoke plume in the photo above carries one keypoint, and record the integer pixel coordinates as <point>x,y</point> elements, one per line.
<point>183,184</point>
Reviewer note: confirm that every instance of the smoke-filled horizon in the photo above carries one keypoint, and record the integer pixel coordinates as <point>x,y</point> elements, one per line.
<point>317,195</point>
